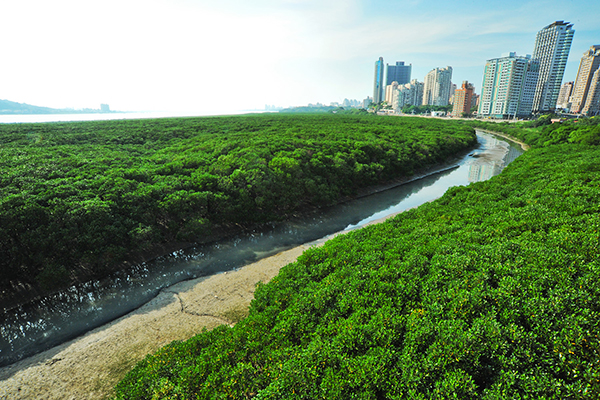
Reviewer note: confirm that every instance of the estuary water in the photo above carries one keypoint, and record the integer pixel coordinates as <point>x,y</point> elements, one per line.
<point>36,118</point>
<point>42,324</point>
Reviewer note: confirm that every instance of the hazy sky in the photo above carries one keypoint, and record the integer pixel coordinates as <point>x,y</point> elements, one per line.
<point>211,56</point>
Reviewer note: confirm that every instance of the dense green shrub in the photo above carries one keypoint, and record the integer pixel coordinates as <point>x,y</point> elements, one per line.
<point>541,132</point>
<point>77,198</point>
<point>492,291</point>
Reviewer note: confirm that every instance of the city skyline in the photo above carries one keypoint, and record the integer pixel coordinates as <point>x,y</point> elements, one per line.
<point>191,55</point>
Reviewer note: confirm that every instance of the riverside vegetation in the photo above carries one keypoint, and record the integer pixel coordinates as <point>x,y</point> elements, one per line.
<point>79,199</point>
<point>492,291</point>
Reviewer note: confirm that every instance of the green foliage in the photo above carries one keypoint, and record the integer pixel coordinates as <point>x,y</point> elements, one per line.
<point>351,111</point>
<point>588,135</point>
<point>425,109</point>
<point>543,120</point>
<point>81,197</point>
<point>542,132</point>
<point>492,291</point>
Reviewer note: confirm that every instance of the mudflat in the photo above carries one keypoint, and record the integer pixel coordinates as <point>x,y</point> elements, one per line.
<point>89,366</point>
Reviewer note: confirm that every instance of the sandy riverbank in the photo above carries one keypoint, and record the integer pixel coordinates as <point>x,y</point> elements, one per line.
<point>89,366</point>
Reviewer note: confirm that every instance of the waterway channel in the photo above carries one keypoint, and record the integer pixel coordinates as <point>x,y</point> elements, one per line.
<point>40,325</point>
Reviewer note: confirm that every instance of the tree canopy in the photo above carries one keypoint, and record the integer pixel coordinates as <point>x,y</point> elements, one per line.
<point>492,291</point>
<point>77,199</point>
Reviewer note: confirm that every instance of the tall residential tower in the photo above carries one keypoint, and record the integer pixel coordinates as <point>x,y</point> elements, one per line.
<point>551,51</point>
<point>508,87</point>
<point>437,87</point>
<point>590,62</point>
<point>592,104</point>
<point>378,81</point>
<point>462,100</point>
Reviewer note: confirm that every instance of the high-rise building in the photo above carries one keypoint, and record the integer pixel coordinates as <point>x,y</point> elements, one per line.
<point>389,91</point>
<point>409,94</point>
<point>508,86</point>
<point>462,100</point>
<point>398,73</point>
<point>564,96</point>
<point>415,95</point>
<point>551,51</point>
<point>437,87</point>
<point>378,81</point>
<point>592,103</point>
<point>590,62</point>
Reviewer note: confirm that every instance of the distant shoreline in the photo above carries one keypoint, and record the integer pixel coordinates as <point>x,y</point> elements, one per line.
<point>108,116</point>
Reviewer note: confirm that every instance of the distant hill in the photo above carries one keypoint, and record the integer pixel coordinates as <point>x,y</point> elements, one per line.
<point>11,107</point>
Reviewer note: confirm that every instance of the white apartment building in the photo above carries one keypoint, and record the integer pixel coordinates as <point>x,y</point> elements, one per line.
<point>410,94</point>
<point>437,87</point>
<point>551,51</point>
<point>389,91</point>
<point>508,86</point>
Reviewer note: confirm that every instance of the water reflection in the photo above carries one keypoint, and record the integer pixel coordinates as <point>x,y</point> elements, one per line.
<point>491,162</point>
<point>48,322</point>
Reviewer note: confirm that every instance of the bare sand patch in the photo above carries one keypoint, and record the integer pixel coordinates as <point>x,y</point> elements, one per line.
<point>88,367</point>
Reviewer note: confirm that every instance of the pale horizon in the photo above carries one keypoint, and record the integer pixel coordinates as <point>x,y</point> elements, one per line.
<point>189,56</point>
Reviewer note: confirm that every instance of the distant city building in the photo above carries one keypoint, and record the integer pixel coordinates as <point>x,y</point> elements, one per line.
<point>564,96</point>
<point>389,91</point>
<point>378,81</point>
<point>104,108</point>
<point>366,102</point>
<point>453,88</point>
<point>592,104</point>
<point>398,73</point>
<point>475,100</point>
<point>590,62</point>
<point>415,93</point>
<point>551,51</point>
<point>347,103</point>
<point>508,86</point>
<point>409,94</point>
<point>437,87</point>
<point>462,100</point>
